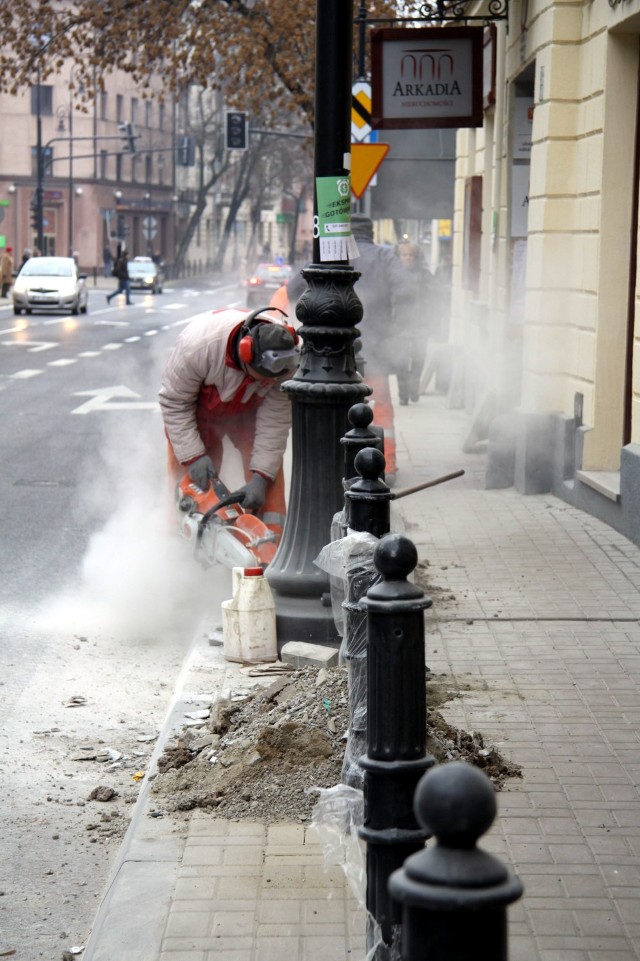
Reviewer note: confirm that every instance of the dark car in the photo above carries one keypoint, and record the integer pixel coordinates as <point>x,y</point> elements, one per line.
<point>263,283</point>
<point>146,274</point>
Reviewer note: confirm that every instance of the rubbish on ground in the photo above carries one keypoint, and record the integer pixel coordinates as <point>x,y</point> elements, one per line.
<point>146,737</point>
<point>77,700</point>
<point>109,755</point>
<point>102,793</point>
<point>138,776</point>
<point>265,670</point>
<point>196,715</point>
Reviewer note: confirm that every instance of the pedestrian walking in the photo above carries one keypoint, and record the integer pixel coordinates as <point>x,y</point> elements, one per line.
<point>6,271</point>
<point>223,379</point>
<point>385,290</point>
<point>418,323</point>
<point>26,255</point>
<point>107,261</point>
<point>121,271</point>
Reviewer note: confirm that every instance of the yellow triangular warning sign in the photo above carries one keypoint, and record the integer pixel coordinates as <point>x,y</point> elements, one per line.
<point>365,160</point>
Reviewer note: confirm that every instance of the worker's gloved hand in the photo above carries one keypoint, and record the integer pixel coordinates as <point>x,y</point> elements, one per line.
<point>255,492</point>
<point>202,471</point>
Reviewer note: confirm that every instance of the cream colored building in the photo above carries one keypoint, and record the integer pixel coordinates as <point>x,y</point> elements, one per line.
<point>545,283</point>
<point>94,192</point>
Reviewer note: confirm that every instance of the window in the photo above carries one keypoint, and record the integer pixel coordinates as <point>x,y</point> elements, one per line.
<point>148,168</point>
<point>134,110</point>
<point>46,100</point>
<point>103,164</point>
<point>161,116</point>
<point>134,171</point>
<point>148,114</point>
<point>118,166</point>
<point>103,104</point>
<point>119,108</point>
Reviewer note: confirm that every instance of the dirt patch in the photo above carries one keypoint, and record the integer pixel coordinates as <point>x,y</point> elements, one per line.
<point>261,757</point>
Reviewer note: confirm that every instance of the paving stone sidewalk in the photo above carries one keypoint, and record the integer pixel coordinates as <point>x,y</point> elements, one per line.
<point>536,624</point>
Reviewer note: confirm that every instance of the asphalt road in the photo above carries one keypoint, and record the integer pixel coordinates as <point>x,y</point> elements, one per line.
<point>97,604</point>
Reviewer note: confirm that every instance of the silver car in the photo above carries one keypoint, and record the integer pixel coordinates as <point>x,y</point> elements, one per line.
<point>145,274</point>
<point>50,283</point>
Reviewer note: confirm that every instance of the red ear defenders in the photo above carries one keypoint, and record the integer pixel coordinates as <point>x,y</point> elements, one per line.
<point>246,346</point>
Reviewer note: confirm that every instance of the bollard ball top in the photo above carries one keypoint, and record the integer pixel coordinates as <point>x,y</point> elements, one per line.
<point>360,416</point>
<point>369,463</point>
<point>395,557</point>
<point>456,802</point>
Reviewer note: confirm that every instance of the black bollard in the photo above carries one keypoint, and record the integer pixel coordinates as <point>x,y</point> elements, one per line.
<point>367,504</point>
<point>356,439</point>
<point>368,499</point>
<point>454,896</point>
<point>396,725</point>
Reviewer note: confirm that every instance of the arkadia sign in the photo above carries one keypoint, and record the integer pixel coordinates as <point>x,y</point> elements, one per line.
<point>429,77</point>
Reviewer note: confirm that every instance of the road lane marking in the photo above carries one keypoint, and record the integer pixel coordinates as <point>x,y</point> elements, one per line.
<point>63,362</point>
<point>25,374</point>
<point>150,333</point>
<point>33,346</point>
<point>132,340</point>
<point>104,399</point>
<point>112,346</point>
<point>89,353</point>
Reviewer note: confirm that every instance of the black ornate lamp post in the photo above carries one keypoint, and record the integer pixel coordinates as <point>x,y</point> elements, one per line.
<point>327,383</point>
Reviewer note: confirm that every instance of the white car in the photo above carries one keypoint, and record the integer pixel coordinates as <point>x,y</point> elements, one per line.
<point>50,283</point>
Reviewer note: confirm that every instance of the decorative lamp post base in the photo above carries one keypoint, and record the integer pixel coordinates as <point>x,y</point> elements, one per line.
<point>305,619</point>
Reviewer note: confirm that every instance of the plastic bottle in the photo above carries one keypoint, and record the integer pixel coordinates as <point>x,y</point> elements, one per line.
<point>249,619</point>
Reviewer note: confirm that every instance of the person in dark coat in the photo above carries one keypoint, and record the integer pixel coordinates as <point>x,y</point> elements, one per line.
<point>121,271</point>
<point>385,289</point>
<point>418,324</point>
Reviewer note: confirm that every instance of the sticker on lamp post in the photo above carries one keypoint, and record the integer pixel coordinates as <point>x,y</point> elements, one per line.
<point>332,225</point>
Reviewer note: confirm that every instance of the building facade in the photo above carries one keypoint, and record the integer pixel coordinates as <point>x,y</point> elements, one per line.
<point>545,280</point>
<point>96,192</point>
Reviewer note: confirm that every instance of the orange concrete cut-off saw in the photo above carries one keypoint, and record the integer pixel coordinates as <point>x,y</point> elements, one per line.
<point>221,530</point>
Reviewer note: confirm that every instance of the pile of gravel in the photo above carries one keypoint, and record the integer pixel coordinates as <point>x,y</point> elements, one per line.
<point>261,758</point>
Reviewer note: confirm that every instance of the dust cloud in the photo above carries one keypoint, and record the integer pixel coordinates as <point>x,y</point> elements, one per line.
<point>138,578</point>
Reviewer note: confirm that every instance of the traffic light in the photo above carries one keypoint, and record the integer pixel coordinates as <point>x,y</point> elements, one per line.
<point>236,133</point>
<point>33,214</point>
<point>129,137</point>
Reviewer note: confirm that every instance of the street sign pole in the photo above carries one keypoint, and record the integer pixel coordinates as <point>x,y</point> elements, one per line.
<point>40,166</point>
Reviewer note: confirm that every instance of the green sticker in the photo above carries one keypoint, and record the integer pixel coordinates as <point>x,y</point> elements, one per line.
<point>332,223</point>
<point>334,206</point>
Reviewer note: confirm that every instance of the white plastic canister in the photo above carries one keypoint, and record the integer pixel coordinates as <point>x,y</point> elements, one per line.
<point>249,619</point>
